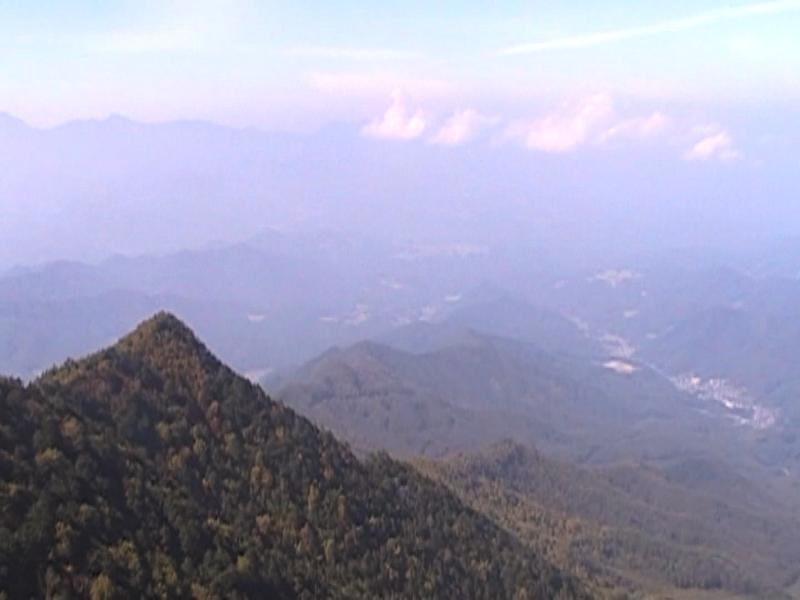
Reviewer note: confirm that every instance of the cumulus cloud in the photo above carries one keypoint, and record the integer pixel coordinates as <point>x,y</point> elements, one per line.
<point>461,127</point>
<point>592,121</point>
<point>717,145</point>
<point>565,130</point>
<point>638,128</point>
<point>399,122</point>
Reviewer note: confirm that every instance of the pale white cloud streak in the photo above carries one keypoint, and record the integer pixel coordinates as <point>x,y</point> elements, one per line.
<point>589,40</point>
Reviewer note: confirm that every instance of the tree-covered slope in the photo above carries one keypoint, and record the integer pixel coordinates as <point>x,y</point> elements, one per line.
<point>482,389</point>
<point>630,523</point>
<point>152,470</point>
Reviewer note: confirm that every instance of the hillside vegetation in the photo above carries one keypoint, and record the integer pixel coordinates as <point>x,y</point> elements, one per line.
<point>628,524</point>
<point>152,470</point>
<point>665,497</point>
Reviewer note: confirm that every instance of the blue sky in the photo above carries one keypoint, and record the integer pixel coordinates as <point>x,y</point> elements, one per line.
<point>299,65</point>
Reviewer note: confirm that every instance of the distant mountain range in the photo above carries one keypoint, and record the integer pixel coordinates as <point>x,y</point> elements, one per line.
<point>87,189</point>
<point>671,492</point>
<point>254,499</point>
<point>151,469</point>
<point>317,289</point>
<point>476,388</point>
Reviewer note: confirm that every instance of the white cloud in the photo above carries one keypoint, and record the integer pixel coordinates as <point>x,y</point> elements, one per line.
<point>600,38</point>
<point>592,121</point>
<point>639,128</point>
<point>713,146</point>
<point>461,127</point>
<point>399,122</point>
<point>567,129</point>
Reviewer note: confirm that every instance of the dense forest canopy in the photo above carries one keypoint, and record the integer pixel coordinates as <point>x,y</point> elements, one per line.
<point>152,470</point>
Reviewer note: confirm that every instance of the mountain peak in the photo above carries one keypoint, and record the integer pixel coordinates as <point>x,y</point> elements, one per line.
<point>173,456</point>
<point>163,344</point>
<point>161,324</point>
<point>164,341</point>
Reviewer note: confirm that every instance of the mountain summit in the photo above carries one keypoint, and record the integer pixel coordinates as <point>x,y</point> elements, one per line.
<point>150,469</point>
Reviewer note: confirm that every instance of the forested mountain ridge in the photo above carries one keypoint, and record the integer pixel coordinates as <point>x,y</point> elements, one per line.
<point>481,389</point>
<point>628,523</point>
<point>152,470</point>
<point>670,495</point>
